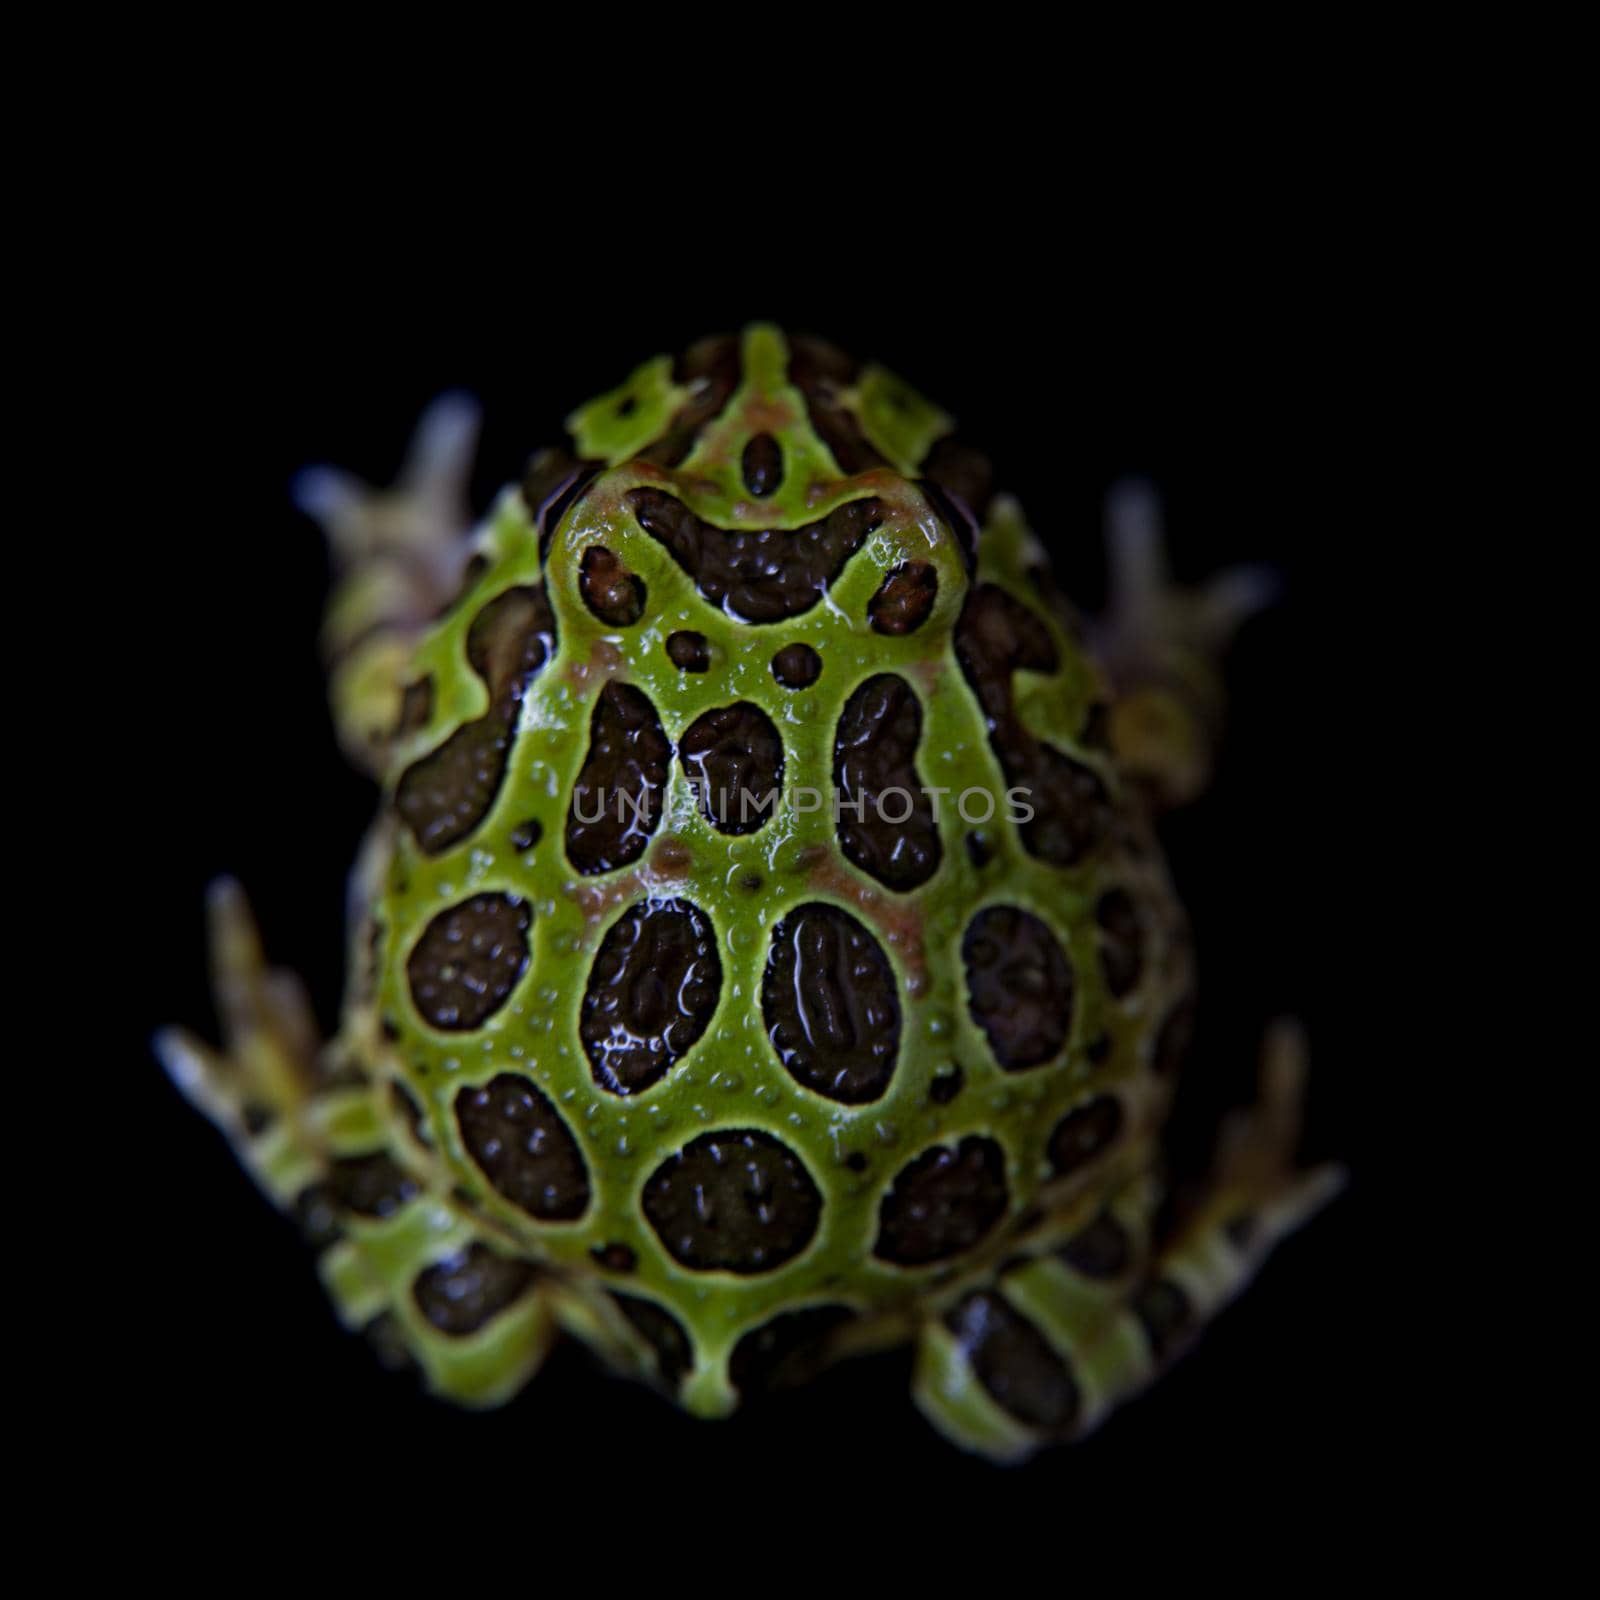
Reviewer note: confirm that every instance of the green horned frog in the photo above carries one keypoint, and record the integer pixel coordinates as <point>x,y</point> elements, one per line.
<point>762,953</point>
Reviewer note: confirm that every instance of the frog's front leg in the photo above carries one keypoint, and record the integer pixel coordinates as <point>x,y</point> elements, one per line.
<point>340,1146</point>
<point>399,555</point>
<point>1079,1321</point>
<point>1162,645</point>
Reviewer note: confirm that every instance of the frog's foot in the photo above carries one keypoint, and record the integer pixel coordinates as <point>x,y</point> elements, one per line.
<point>256,1086</point>
<point>1162,646</point>
<point>400,554</point>
<point>1088,1312</point>
<point>345,1152</point>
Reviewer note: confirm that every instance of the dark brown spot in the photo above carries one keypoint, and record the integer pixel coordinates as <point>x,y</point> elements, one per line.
<point>822,373</point>
<point>1101,1250</point>
<point>1166,1314</point>
<point>997,636</point>
<point>789,1350</point>
<point>1084,1132</point>
<point>828,1000</point>
<point>737,1200</point>
<point>1121,941</point>
<point>615,595</point>
<point>468,960</point>
<point>856,1161</point>
<point>943,1203</point>
<point>751,882</point>
<point>524,1148</point>
<point>962,473</point>
<point>460,1294</point>
<point>762,465</point>
<point>372,1185</point>
<point>946,1085</point>
<point>651,991</point>
<point>1098,1048</point>
<point>1019,986</point>
<point>1014,1362</point>
<point>885,818</point>
<point>979,851</point>
<point>710,371</point>
<point>663,1333</point>
<point>734,759</point>
<point>615,1257</point>
<point>416,706</point>
<point>904,598</point>
<point>1173,1041</point>
<point>527,834</point>
<point>757,574</point>
<point>797,666</point>
<point>688,650</point>
<point>445,795</point>
<point>616,802</point>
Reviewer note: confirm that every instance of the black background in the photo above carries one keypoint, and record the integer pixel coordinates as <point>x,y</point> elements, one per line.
<point>1235,379</point>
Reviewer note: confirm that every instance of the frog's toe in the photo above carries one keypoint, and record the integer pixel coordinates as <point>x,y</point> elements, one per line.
<point>256,1085</point>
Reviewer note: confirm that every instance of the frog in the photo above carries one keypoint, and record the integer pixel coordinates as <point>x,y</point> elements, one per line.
<point>764,953</point>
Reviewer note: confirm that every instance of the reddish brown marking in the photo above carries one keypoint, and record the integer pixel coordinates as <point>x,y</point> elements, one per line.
<point>671,856</point>
<point>900,925</point>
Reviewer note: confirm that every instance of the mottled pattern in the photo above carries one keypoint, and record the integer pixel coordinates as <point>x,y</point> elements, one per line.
<point>521,1145</point>
<point>468,960</point>
<point>651,991</point>
<point>462,1293</point>
<point>886,824</point>
<point>616,802</point>
<point>444,795</point>
<point>1015,1362</point>
<point>829,1001</point>
<point>738,1201</point>
<point>995,637</point>
<point>733,757</point>
<point>1019,986</point>
<point>1084,1133</point>
<point>943,1203</point>
<point>904,598</point>
<point>757,574</point>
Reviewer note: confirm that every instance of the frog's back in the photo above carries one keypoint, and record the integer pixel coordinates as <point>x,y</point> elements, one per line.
<point>760,955</point>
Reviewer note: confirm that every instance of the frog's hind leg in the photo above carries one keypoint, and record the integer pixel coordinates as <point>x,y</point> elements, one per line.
<point>1163,645</point>
<point>347,1153</point>
<point>399,555</point>
<point>1074,1323</point>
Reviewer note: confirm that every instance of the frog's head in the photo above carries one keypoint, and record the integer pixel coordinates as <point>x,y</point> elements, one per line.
<point>760,427</point>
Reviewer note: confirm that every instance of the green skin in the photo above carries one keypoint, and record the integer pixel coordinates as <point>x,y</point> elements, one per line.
<point>732,1077</point>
